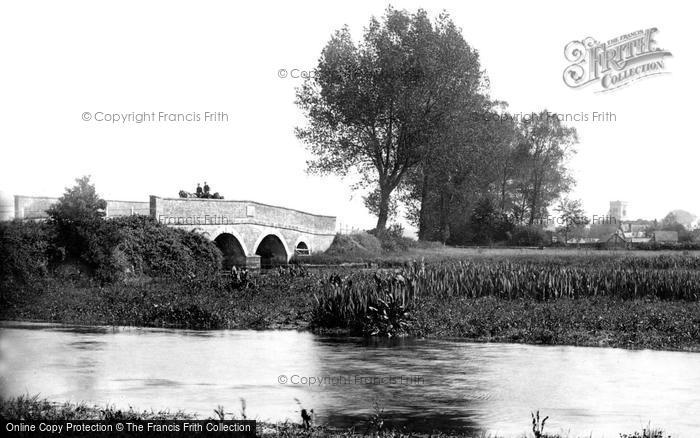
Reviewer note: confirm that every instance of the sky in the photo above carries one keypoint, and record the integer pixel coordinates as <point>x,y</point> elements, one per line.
<point>61,60</point>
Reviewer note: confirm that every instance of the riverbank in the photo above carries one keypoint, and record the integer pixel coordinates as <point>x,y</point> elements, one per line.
<point>33,408</point>
<point>286,299</point>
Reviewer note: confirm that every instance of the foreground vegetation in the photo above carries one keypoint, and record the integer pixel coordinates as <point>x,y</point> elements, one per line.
<point>33,408</point>
<point>634,303</point>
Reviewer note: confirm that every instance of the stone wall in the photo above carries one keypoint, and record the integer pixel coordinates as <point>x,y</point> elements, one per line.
<point>34,207</point>
<point>127,208</point>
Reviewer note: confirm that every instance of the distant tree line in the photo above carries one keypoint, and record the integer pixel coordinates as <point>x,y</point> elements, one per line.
<point>407,109</point>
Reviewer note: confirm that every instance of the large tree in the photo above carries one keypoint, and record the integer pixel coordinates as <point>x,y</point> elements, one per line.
<point>518,166</point>
<point>378,106</point>
<point>546,146</point>
<point>471,163</point>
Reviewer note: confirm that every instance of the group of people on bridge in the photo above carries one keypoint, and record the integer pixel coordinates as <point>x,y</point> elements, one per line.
<point>201,192</point>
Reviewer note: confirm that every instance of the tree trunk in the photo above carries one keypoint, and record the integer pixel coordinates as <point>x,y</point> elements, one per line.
<point>444,220</point>
<point>534,202</point>
<point>422,217</point>
<point>383,217</point>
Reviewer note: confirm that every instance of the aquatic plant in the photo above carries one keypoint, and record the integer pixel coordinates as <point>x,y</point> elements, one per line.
<point>662,278</point>
<point>383,302</point>
<point>647,432</point>
<point>380,306</point>
<point>292,271</point>
<point>538,425</point>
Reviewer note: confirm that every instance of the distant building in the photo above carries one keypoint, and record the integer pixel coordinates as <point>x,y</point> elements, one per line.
<point>635,228</point>
<point>665,236</point>
<point>618,210</point>
<point>582,240</point>
<point>631,231</point>
<point>615,240</point>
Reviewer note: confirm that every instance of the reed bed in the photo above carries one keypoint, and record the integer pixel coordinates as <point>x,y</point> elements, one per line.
<point>514,280</point>
<point>349,301</point>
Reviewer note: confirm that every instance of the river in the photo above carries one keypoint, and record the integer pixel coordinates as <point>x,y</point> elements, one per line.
<point>422,383</point>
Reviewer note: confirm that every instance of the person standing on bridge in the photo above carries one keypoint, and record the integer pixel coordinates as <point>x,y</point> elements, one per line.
<point>199,191</point>
<point>206,189</point>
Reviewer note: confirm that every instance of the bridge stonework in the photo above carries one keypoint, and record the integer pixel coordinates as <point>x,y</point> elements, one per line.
<point>248,233</point>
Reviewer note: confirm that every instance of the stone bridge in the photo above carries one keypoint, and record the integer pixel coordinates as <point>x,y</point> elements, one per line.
<point>248,233</point>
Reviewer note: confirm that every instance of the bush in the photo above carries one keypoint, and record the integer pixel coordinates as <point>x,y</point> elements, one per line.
<point>26,250</point>
<point>114,249</point>
<point>139,245</point>
<point>659,246</point>
<point>487,226</point>
<point>528,236</point>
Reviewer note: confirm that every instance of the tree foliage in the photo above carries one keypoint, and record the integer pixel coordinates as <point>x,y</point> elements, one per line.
<point>572,217</point>
<point>546,145</point>
<point>377,106</point>
<point>519,165</point>
<point>76,214</point>
<point>407,109</point>
<point>79,203</point>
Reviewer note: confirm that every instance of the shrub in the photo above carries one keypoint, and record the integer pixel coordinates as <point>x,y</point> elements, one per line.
<point>528,236</point>
<point>142,246</point>
<point>487,226</point>
<point>659,246</point>
<point>25,252</point>
<point>113,250</point>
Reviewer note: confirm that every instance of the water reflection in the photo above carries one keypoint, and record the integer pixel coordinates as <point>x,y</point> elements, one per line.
<point>425,384</point>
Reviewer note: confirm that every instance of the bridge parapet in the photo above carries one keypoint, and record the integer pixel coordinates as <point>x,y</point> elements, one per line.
<point>34,207</point>
<point>216,212</point>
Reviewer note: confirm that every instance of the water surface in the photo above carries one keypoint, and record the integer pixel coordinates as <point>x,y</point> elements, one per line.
<point>423,383</point>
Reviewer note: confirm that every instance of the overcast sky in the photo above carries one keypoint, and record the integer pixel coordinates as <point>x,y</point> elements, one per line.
<point>61,59</point>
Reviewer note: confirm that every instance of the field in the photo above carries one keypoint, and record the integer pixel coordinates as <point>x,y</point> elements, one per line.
<point>433,252</point>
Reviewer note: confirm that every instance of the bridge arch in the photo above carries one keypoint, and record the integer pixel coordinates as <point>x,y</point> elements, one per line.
<point>272,249</point>
<point>302,246</point>
<point>232,248</point>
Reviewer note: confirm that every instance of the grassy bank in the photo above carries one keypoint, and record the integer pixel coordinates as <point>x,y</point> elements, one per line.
<point>271,301</point>
<point>622,302</point>
<point>34,408</point>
